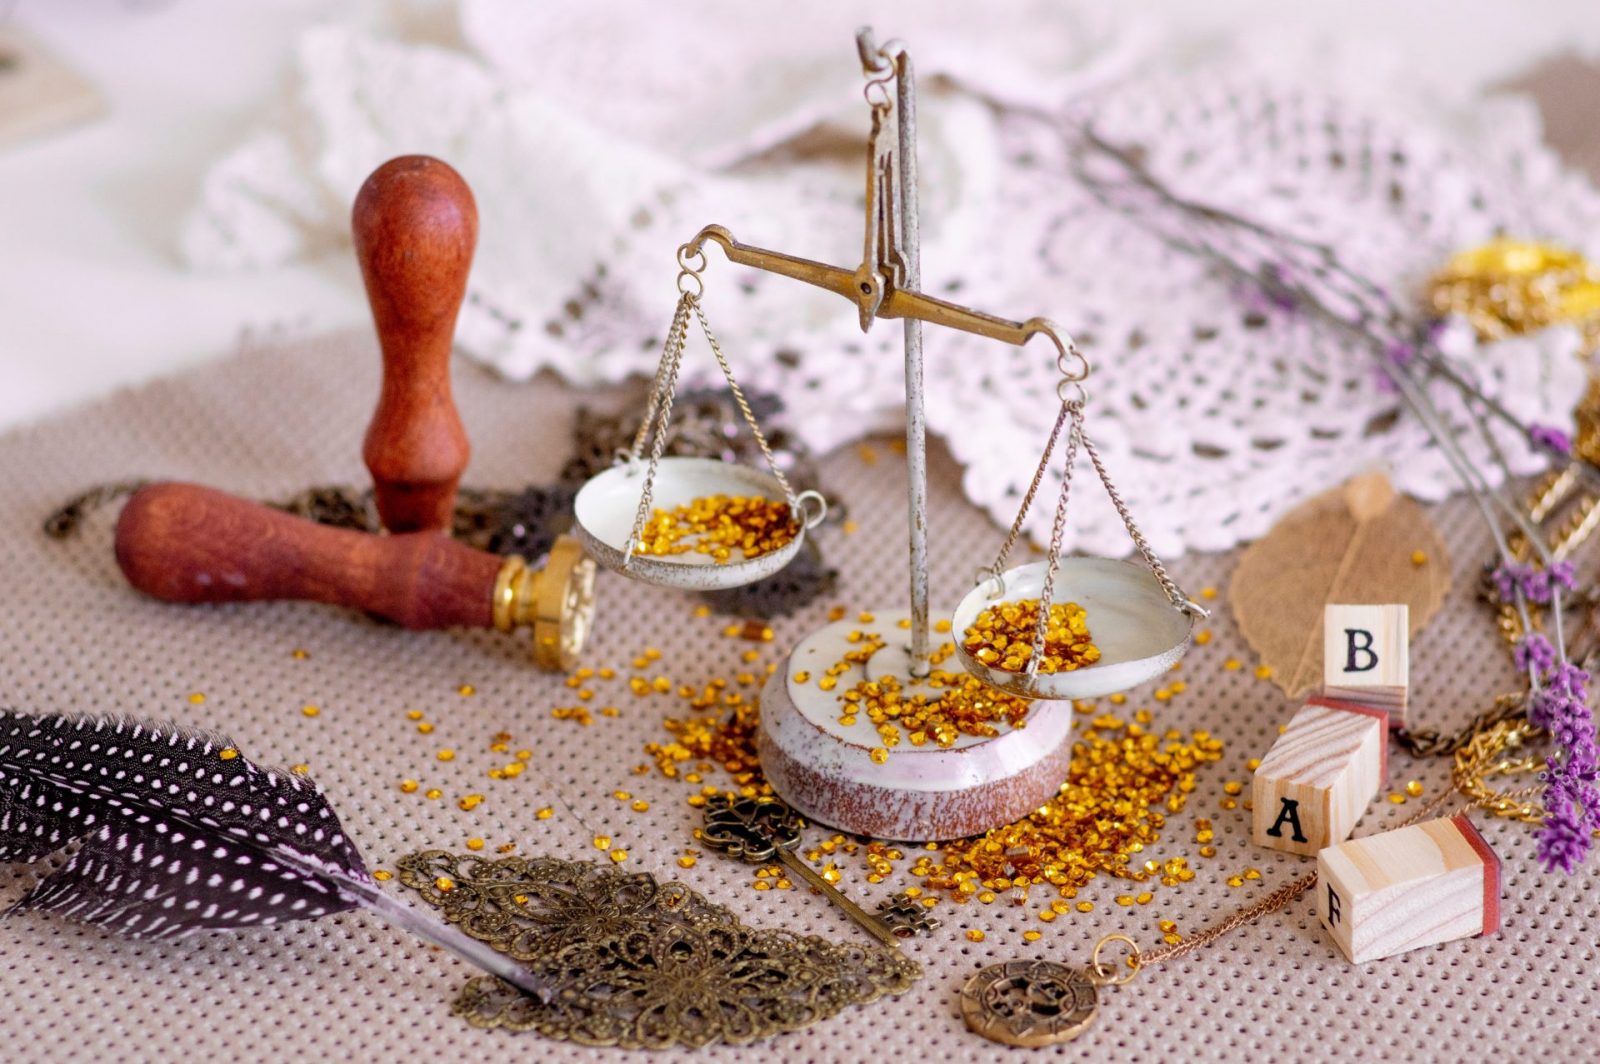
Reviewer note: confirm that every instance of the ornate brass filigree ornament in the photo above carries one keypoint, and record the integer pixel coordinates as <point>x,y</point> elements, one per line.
<point>1029,1003</point>
<point>637,963</point>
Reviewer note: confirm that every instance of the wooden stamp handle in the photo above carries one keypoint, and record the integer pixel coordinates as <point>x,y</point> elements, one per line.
<point>186,543</point>
<point>415,226</point>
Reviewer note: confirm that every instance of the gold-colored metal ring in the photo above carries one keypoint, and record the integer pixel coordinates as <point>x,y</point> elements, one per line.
<point>687,253</point>
<point>1072,393</point>
<point>699,285</point>
<point>882,85</point>
<point>505,592</point>
<point>1105,972</point>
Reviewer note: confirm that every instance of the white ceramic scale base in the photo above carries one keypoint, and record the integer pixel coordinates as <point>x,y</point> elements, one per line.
<point>921,793</point>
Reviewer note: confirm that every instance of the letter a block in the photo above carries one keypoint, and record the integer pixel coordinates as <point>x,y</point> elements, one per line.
<point>1317,779</point>
<point>1366,658</point>
<point>1417,886</point>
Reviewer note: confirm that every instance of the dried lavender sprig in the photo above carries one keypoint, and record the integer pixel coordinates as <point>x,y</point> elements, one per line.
<point>1571,795</point>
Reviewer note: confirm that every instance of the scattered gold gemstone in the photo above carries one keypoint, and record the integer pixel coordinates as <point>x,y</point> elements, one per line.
<point>1235,881</point>
<point>466,690</point>
<point>640,806</point>
<point>470,802</point>
<point>408,786</point>
<point>1252,873</point>
<point>425,728</point>
<point>227,753</point>
<point>1233,787</point>
<point>1032,936</point>
<point>382,875</point>
<point>686,862</point>
<point>1419,557</point>
<point>1414,788</point>
<point>310,711</point>
<point>446,755</point>
<point>299,654</point>
<point>974,935</point>
<point>433,792</point>
<point>1086,906</point>
<point>300,770</point>
<point>618,856</point>
<point>1208,592</point>
<point>1232,664</point>
<point>879,755</point>
<point>1397,798</point>
<point>445,884</point>
<point>197,698</point>
<point>1202,637</point>
<point>474,844</point>
<point>1263,672</point>
<point>602,842</point>
<point>415,714</point>
<point>545,814</point>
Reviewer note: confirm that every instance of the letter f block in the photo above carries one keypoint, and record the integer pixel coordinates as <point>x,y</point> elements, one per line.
<point>1366,657</point>
<point>1320,775</point>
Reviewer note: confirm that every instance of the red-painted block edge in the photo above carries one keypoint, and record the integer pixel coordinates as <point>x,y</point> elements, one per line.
<point>1491,872</point>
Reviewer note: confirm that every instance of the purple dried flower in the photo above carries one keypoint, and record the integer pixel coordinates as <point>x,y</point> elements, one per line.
<point>1550,437</point>
<point>1563,575</point>
<point>1533,652</point>
<point>1511,577</point>
<point>1570,680</point>
<point>1563,839</point>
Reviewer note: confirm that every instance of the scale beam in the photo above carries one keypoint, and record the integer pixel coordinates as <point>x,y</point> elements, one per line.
<point>895,303</point>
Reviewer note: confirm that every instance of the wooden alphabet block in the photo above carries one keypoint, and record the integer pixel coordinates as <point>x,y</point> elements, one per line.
<point>1411,887</point>
<point>1316,781</point>
<point>1366,656</point>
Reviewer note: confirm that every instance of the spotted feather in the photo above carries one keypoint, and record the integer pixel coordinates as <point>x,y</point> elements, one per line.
<point>178,832</point>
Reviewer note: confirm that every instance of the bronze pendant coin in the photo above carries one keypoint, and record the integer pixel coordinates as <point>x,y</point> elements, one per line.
<point>1029,1002</point>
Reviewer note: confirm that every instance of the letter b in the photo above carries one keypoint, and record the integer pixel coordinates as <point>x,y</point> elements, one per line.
<point>1358,644</point>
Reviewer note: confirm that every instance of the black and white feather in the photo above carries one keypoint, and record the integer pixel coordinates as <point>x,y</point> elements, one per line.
<point>178,832</point>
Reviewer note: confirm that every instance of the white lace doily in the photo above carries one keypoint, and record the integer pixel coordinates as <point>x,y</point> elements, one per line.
<point>630,132</point>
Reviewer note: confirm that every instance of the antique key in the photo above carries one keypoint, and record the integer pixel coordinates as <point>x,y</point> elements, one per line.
<point>758,830</point>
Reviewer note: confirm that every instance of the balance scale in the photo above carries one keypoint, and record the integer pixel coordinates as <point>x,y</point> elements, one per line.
<point>838,773</point>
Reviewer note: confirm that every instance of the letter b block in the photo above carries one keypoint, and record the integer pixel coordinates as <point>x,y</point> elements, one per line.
<point>1316,781</point>
<point>1365,656</point>
<point>1416,886</point>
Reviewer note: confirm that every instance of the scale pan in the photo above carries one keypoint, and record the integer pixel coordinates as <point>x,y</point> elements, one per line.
<point>605,507</point>
<point>1140,634</point>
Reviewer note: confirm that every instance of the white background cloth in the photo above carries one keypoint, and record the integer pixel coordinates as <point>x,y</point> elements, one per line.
<point>93,294</point>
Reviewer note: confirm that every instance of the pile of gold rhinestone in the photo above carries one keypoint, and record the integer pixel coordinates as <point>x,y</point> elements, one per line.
<point>718,525</point>
<point>1122,783</point>
<point>965,706</point>
<point>1002,637</point>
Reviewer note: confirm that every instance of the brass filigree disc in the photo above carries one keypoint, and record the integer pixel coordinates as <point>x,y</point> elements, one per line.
<point>1029,1003</point>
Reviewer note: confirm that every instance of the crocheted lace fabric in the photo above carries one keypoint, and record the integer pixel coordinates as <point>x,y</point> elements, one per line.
<point>634,129</point>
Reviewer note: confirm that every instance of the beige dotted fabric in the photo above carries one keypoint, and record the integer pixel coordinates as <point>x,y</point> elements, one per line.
<point>75,638</point>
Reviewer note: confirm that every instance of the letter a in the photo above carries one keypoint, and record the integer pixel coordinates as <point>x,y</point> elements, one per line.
<point>1333,906</point>
<point>1359,648</point>
<point>1290,812</point>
